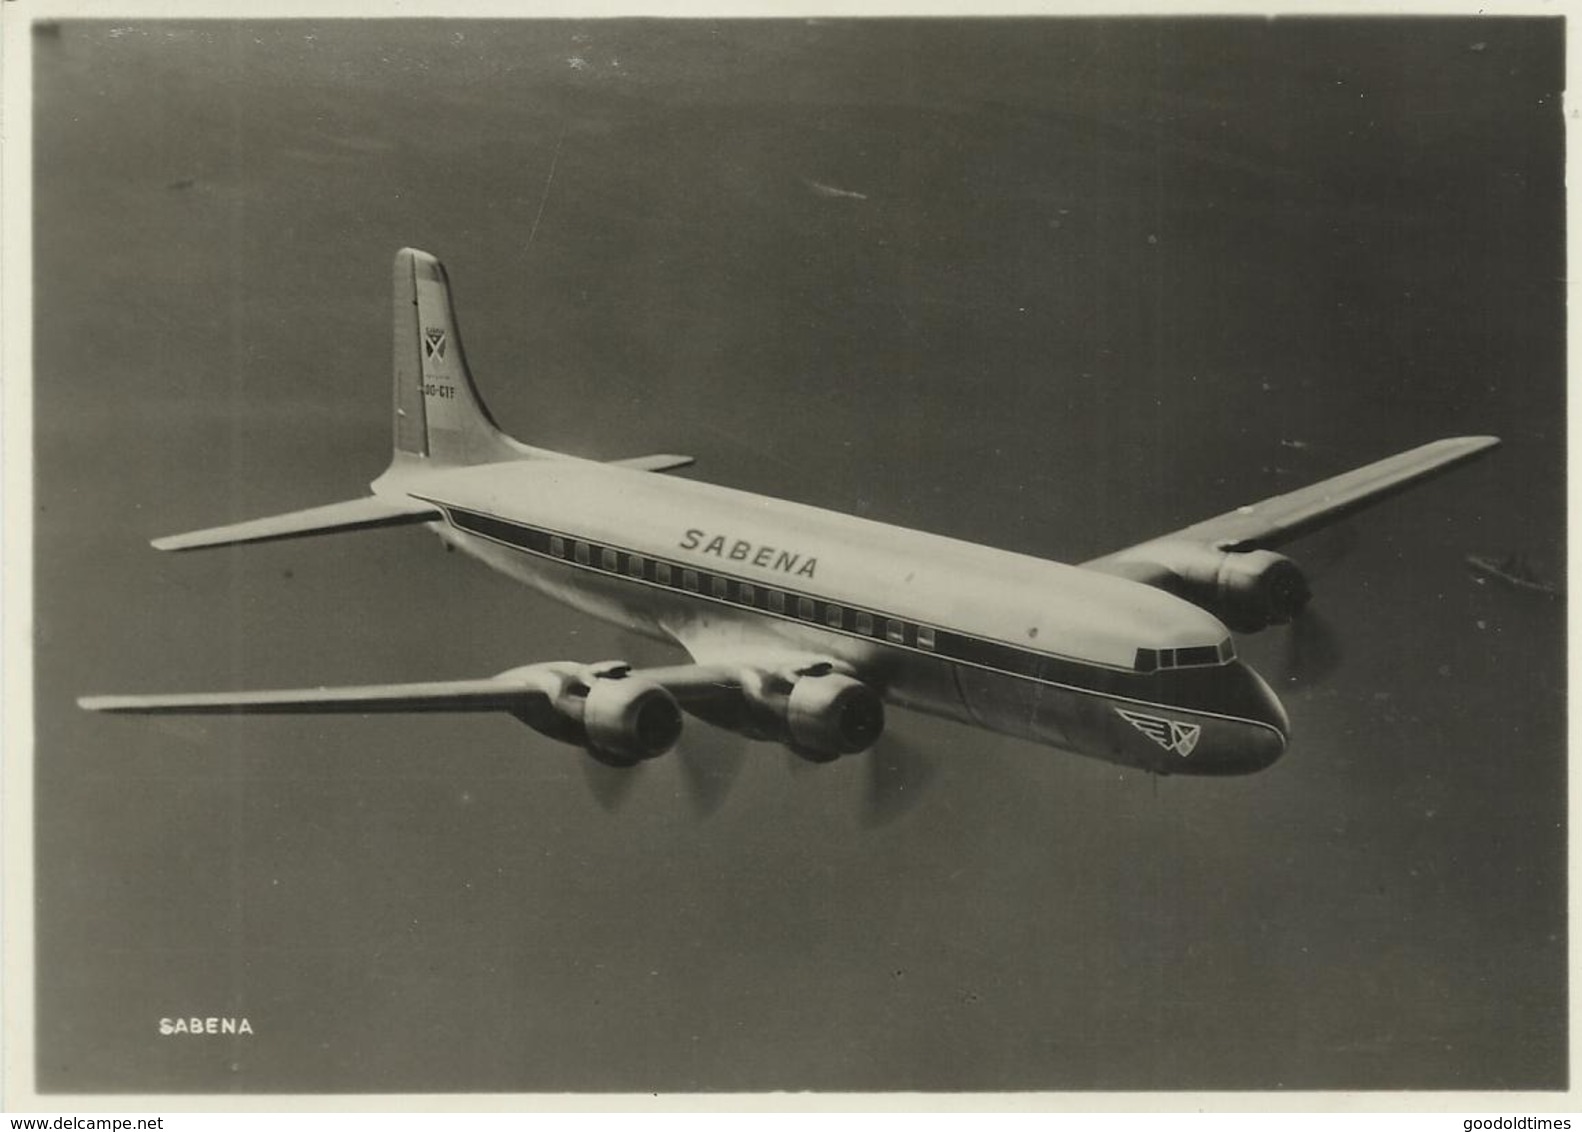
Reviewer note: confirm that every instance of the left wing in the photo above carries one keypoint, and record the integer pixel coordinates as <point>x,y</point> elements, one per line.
<point>623,715</point>
<point>494,694</point>
<point>620,714</point>
<point>1226,563</point>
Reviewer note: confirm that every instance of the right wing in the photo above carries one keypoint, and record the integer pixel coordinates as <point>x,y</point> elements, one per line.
<point>1282,518</point>
<point>1227,565</point>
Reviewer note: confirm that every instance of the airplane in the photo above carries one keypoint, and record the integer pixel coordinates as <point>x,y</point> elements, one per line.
<point>801,624</point>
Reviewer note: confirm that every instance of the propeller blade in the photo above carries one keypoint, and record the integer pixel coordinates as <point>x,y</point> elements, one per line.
<point>898,774</point>
<point>710,761</point>
<point>799,766</point>
<point>609,785</point>
<point>1324,550</point>
<point>1312,649</point>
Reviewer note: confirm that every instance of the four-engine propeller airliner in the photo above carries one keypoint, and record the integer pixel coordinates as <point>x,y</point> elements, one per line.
<point>800,623</point>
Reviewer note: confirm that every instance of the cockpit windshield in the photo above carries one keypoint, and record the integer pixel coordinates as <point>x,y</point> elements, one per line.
<point>1191,656</point>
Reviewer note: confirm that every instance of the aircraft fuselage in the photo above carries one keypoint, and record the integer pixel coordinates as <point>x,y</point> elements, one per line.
<point>1002,641</point>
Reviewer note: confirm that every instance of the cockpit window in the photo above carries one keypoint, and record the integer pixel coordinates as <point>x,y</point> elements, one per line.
<point>1193,656</point>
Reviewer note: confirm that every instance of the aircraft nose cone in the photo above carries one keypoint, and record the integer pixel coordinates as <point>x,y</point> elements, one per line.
<point>1261,745</point>
<point>1275,710</point>
<point>1251,736</point>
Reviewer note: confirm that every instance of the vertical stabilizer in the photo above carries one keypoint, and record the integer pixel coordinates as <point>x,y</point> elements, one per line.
<point>438,413</point>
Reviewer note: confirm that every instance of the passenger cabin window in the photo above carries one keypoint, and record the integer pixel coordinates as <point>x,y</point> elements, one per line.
<point>804,608</point>
<point>557,546</point>
<point>777,601</point>
<point>689,580</point>
<point>895,632</point>
<point>719,586</point>
<point>925,637</point>
<point>608,560</point>
<point>580,553</point>
<point>745,594</point>
<point>834,616</point>
<point>634,565</point>
<point>662,573</point>
<point>865,624</point>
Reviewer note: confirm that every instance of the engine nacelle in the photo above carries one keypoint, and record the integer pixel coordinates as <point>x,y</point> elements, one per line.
<point>629,720</point>
<point>832,715</point>
<point>1248,590</point>
<point>621,720</point>
<point>819,713</point>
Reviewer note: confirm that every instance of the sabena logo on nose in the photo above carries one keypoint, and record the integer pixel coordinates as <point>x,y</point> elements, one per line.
<point>1169,734</point>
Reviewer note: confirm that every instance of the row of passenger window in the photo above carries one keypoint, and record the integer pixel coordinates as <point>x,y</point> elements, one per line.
<point>989,654</point>
<point>743,593</point>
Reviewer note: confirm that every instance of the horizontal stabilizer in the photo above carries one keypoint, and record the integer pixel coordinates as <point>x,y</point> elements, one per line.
<point>352,515</point>
<point>662,462</point>
<point>444,695</point>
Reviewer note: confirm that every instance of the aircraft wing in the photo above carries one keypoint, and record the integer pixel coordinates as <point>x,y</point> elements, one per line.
<point>620,715</point>
<point>513,691</point>
<point>446,695</point>
<point>1282,518</point>
<point>349,515</point>
<point>659,462</point>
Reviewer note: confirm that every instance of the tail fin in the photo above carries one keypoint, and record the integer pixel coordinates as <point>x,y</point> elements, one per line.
<point>439,416</point>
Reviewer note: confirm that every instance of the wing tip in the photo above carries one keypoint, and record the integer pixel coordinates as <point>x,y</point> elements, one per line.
<point>1460,449</point>
<point>1467,444</point>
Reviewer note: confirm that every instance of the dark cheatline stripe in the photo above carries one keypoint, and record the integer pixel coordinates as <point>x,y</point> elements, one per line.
<point>1200,689</point>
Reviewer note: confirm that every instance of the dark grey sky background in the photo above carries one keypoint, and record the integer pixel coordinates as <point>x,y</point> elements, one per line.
<point>1103,278</point>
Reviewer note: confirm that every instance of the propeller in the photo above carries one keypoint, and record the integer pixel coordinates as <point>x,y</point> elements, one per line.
<point>1326,549</point>
<point>609,785</point>
<point>1312,649</point>
<point>710,761</point>
<point>800,766</point>
<point>898,774</point>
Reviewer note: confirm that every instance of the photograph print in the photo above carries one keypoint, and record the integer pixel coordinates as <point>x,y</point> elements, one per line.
<point>840,555</point>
